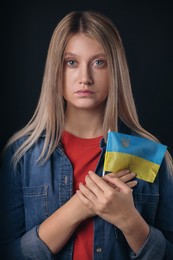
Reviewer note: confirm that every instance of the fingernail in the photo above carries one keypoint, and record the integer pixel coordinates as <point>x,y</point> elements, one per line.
<point>133,174</point>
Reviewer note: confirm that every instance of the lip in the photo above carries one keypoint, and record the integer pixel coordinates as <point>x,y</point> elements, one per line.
<point>85,92</point>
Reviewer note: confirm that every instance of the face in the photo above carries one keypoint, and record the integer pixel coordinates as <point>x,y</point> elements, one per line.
<point>85,73</point>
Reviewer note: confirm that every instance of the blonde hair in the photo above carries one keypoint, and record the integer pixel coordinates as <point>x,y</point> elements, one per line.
<point>49,114</point>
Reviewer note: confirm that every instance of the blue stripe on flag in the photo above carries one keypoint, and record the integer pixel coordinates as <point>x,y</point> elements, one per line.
<point>144,148</point>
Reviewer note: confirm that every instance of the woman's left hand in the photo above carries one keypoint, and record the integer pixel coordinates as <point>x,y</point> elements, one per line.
<point>114,202</point>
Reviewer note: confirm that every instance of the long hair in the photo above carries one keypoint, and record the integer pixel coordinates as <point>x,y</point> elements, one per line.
<point>49,114</point>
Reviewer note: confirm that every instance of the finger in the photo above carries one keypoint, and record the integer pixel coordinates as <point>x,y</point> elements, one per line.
<point>118,183</point>
<point>99,181</point>
<point>119,174</point>
<point>131,184</point>
<point>92,186</point>
<point>128,177</point>
<point>87,193</point>
<point>84,199</point>
<point>124,177</point>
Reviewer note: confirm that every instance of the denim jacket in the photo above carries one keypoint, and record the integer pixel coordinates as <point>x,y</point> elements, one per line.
<point>34,192</point>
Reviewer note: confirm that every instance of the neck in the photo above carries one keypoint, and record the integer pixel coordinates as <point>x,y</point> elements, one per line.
<point>84,123</point>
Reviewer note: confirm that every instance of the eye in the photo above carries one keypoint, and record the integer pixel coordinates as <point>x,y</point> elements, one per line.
<point>71,63</point>
<point>99,63</point>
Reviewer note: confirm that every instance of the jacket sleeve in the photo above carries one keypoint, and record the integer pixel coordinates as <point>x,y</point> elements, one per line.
<point>19,244</point>
<point>159,244</point>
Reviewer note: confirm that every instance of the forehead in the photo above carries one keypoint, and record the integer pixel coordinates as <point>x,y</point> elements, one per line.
<point>83,44</point>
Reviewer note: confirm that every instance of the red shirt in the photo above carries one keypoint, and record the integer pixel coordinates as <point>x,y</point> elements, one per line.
<point>84,155</point>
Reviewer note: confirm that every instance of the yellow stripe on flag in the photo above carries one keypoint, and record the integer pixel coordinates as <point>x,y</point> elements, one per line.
<point>145,170</point>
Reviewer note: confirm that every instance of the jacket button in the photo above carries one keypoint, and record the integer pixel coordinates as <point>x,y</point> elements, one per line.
<point>98,249</point>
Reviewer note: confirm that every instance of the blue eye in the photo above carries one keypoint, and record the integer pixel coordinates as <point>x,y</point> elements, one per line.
<point>71,63</point>
<point>99,63</point>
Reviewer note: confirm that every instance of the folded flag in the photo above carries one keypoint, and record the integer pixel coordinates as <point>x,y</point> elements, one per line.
<point>138,154</point>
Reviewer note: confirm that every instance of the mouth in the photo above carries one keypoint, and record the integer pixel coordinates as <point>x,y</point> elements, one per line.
<point>85,92</point>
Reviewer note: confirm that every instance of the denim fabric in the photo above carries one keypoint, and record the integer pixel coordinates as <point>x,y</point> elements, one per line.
<point>34,192</point>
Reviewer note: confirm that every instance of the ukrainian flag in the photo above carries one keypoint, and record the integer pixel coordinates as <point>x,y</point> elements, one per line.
<point>138,154</point>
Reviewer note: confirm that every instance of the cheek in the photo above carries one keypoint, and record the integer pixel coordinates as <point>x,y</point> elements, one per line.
<point>65,87</point>
<point>69,81</point>
<point>66,90</point>
<point>70,75</point>
<point>104,83</point>
<point>66,83</point>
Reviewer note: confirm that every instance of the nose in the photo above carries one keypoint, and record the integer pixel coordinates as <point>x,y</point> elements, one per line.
<point>85,76</point>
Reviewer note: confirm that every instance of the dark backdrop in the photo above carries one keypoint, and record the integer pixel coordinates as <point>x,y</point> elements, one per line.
<point>146,28</point>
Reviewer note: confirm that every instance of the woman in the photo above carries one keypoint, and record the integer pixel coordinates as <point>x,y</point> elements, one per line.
<point>58,205</point>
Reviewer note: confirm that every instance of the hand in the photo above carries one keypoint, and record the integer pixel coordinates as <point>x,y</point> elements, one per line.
<point>125,175</point>
<point>82,211</point>
<point>108,197</point>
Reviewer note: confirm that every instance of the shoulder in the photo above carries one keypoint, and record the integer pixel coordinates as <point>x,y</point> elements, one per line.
<point>12,148</point>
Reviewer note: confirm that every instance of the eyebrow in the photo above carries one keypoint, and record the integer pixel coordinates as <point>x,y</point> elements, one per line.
<point>93,57</point>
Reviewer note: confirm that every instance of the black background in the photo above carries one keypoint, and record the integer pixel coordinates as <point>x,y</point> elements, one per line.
<point>146,28</point>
